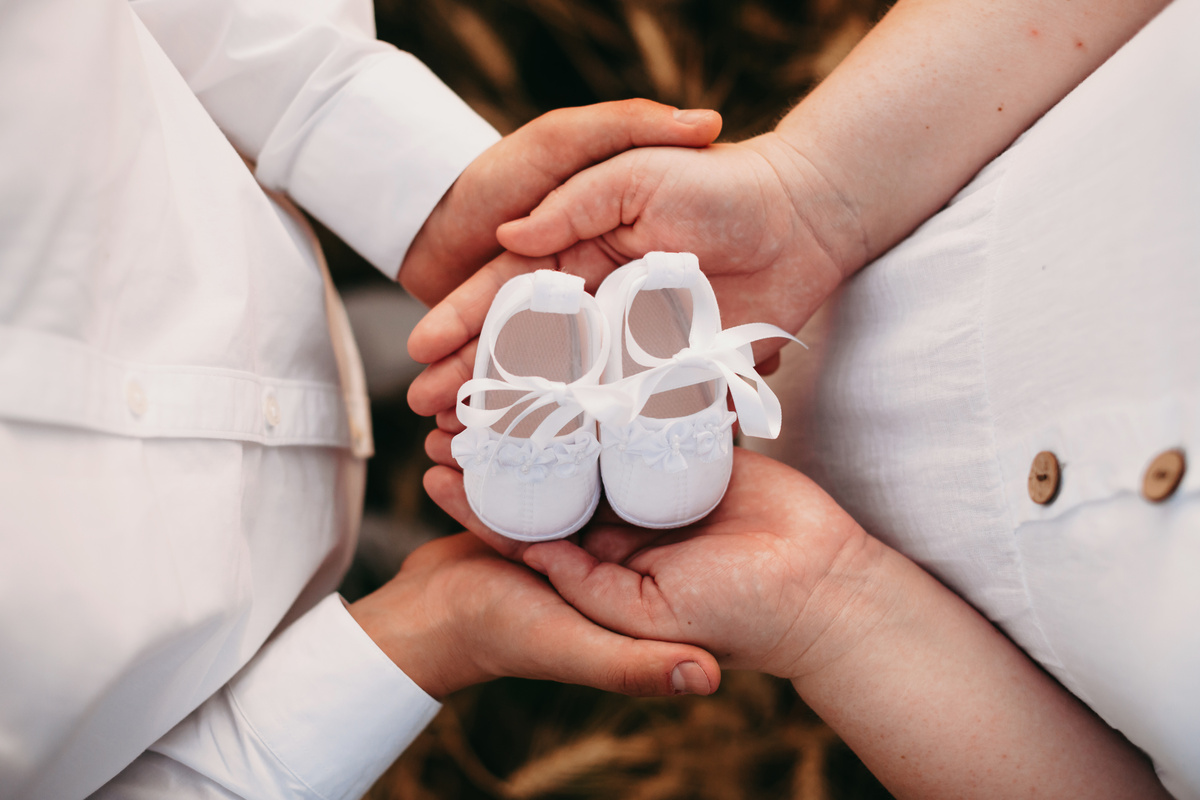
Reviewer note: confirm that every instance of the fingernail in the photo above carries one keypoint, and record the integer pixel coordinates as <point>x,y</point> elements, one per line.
<point>689,678</point>
<point>692,116</point>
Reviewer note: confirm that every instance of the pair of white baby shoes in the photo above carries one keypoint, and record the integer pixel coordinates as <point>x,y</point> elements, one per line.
<point>647,359</point>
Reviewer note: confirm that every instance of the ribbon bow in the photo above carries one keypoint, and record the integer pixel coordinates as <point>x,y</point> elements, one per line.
<point>571,399</point>
<point>708,356</point>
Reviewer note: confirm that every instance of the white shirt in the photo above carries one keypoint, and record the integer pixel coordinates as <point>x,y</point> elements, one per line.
<point>1053,305</point>
<point>177,451</point>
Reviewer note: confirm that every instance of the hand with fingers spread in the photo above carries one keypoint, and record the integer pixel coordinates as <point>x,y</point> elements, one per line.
<point>458,614</point>
<point>513,176</point>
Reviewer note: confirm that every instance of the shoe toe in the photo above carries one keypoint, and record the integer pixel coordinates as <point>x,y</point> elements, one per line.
<point>533,510</point>
<point>651,496</point>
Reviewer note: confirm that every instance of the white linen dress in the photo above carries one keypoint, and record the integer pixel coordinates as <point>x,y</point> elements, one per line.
<point>1053,305</point>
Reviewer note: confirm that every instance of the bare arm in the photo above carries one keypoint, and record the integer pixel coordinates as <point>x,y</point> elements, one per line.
<point>934,92</point>
<point>779,579</point>
<point>938,703</point>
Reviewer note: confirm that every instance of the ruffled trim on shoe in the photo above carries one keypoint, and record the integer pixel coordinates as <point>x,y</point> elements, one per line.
<point>482,449</point>
<point>668,448</point>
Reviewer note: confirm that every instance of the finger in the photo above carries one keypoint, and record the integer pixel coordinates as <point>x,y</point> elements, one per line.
<point>593,260</point>
<point>570,139</point>
<point>436,388</point>
<point>437,447</point>
<point>769,365</point>
<point>513,176</point>
<point>582,653</point>
<point>594,202</point>
<point>445,487</point>
<point>614,596</point>
<point>449,422</point>
<point>613,540</point>
<point>456,320</point>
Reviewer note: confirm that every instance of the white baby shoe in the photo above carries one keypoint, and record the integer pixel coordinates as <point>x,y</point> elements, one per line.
<point>529,453</point>
<point>666,460</point>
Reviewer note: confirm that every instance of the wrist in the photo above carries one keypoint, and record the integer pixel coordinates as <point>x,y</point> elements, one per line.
<point>856,595</point>
<point>418,640</point>
<point>829,217</point>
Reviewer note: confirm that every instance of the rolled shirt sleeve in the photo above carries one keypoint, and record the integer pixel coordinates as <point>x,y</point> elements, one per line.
<point>363,136</point>
<point>320,712</point>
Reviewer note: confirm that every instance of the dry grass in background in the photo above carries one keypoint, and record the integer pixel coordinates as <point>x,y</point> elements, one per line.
<point>513,60</point>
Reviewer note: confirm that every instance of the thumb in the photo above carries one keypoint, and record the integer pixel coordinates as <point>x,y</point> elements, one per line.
<point>610,594</point>
<point>567,140</point>
<point>636,667</point>
<point>590,204</point>
<point>607,594</point>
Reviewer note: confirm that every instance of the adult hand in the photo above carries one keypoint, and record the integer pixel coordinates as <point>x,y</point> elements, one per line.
<point>766,228</point>
<point>778,578</point>
<point>745,583</point>
<point>513,176</point>
<point>458,614</point>
<point>768,231</point>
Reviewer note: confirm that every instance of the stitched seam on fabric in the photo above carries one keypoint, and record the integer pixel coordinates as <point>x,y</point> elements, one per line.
<point>257,735</point>
<point>993,228</point>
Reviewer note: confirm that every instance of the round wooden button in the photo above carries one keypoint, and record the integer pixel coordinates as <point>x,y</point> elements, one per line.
<point>1163,475</point>
<point>1043,478</point>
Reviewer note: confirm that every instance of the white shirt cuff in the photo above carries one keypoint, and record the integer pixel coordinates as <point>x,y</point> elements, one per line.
<point>320,712</point>
<point>373,163</point>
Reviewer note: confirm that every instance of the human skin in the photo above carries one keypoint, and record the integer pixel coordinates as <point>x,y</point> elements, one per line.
<point>930,695</point>
<point>458,614</point>
<point>933,93</point>
<point>779,579</point>
<point>516,173</point>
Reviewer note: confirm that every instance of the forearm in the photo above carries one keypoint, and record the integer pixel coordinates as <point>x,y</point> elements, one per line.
<point>938,703</point>
<point>934,92</point>
<point>319,713</point>
<point>362,136</point>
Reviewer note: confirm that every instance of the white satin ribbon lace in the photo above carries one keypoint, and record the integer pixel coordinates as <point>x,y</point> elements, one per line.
<point>711,353</point>
<point>543,452</point>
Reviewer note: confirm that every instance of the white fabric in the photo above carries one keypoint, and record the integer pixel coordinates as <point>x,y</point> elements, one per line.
<point>263,726</point>
<point>539,484</point>
<point>176,469</point>
<point>666,473</point>
<point>363,136</point>
<point>670,472</point>
<point>1051,306</point>
<point>711,352</point>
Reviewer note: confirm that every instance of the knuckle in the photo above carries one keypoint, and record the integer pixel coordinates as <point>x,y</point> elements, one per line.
<point>630,681</point>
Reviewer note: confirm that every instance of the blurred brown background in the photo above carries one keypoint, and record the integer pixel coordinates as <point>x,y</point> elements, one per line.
<point>513,60</point>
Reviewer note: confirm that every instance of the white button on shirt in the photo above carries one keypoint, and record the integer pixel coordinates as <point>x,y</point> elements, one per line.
<point>1052,306</point>
<point>176,420</point>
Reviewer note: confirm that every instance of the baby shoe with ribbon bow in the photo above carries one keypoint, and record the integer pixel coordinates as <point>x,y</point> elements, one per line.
<point>529,453</point>
<point>668,454</point>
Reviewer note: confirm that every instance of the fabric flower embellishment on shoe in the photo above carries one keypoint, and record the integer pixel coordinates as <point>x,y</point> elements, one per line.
<point>530,464</point>
<point>529,453</point>
<point>712,434</point>
<point>668,449</point>
<point>573,453</point>
<point>474,449</point>
<point>667,462</point>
